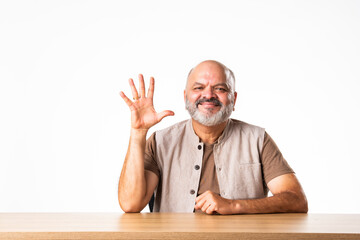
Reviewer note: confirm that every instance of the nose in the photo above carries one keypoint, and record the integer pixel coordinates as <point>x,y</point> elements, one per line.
<point>208,93</point>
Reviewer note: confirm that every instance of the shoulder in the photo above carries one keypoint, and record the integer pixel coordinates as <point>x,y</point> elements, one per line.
<point>173,129</point>
<point>173,139</point>
<point>245,127</point>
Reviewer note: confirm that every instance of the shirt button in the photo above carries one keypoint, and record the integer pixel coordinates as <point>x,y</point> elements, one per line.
<point>219,168</point>
<point>199,147</point>
<point>197,167</point>
<point>192,191</point>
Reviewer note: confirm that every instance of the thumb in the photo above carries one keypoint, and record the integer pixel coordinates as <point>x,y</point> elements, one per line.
<point>165,113</point>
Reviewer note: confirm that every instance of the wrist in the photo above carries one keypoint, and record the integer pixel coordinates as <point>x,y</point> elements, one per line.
<point>138,132</point>
<point>236,206</point>
<point>138,137</point>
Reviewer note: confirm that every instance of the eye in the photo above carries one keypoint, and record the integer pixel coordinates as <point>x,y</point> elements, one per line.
<point>198,88</point>
<point>220,89</point>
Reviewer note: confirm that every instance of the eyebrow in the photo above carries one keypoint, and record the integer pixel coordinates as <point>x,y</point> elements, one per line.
<point>197,83</point>
<point>216,85</point>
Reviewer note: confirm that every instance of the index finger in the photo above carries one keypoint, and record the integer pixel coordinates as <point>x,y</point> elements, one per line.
<point>201,196</point>
<point>200,203</point>
<point>126,99</point>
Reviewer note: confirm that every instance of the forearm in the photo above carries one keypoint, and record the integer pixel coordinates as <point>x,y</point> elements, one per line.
<point>132,183</point>
<point>284,202</point>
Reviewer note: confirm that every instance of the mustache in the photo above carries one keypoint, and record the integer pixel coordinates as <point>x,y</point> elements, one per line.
<point>211,100</point>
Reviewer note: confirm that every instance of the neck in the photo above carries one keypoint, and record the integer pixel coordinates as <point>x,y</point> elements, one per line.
<point>208,134</point>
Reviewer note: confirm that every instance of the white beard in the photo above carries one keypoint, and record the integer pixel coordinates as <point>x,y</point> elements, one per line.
<point>208,118</point>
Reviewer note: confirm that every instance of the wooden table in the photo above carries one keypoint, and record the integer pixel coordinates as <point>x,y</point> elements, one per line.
<point>177,226</point>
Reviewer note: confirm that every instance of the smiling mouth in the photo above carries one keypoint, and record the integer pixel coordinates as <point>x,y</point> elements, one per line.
<point>209,104</point>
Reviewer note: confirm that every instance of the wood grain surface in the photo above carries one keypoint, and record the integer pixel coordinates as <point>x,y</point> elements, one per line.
<point>177,226</point>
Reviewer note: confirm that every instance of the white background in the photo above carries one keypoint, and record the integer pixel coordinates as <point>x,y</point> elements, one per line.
<point>64,128</point>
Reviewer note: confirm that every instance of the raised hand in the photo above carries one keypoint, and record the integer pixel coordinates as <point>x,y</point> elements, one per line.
<point>143,114</point>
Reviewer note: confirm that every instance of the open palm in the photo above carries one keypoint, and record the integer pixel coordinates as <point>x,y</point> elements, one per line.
<point>143,114</point>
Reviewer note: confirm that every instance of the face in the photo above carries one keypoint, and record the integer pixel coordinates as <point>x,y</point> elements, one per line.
<point>207,95</point>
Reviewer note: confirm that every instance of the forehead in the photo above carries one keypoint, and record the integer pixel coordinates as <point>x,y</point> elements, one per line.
<point>205,73</point>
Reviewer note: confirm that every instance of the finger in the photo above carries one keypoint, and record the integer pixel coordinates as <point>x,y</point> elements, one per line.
<point>210,209</point>
<point>165,113</point>
<point>200,203</point>
<point>151,88</point>
<point>141,85</point>
<point>201,196</point>
<point>126,99</point>
<point>205,206</point>
<point>133,89</point>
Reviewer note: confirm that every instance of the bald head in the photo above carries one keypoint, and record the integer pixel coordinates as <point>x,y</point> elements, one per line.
<point>211,68</point>
<point>210,93</point>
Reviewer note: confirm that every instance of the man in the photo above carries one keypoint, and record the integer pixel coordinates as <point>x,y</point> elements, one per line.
<point>210,163</point>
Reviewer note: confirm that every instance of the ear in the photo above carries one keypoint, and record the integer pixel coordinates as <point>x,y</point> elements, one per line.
<point>235,97</point>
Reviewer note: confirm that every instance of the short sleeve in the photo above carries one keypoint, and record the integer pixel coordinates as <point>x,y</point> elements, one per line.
<point>150,163</point>
<point>273,162</point>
